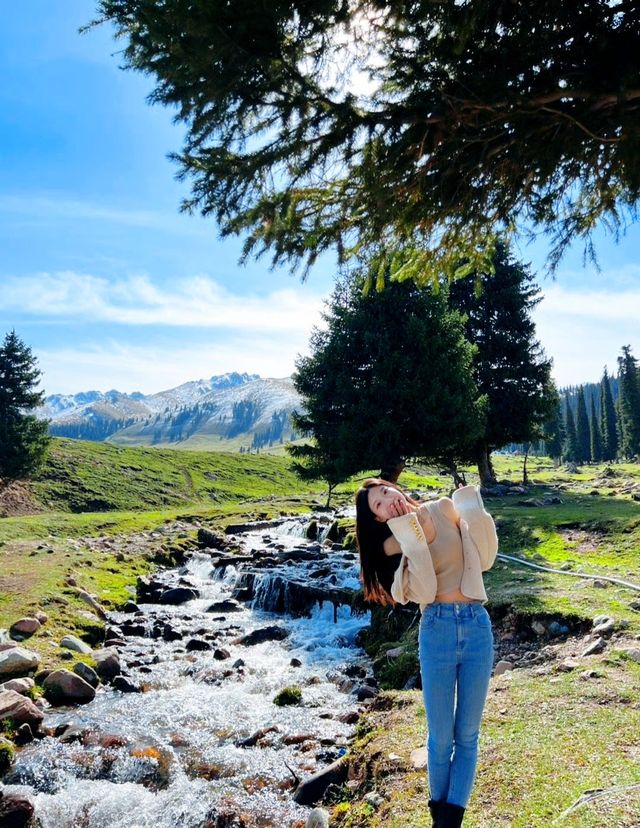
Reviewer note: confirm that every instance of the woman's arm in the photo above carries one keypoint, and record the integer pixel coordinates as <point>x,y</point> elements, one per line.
<point>470,507</point>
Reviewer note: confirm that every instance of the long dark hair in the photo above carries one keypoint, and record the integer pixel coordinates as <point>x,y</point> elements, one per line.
<point>376,568</point>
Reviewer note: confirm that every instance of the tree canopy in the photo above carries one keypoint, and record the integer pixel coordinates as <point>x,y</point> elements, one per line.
<point>367,126</point>
<point>388,378</point>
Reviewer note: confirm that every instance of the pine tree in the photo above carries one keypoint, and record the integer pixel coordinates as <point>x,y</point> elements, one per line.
<point>481,114</point>
<point>595,434</point>
<point>608,419</point>
<point>554,434</point>
<point>388,378</point>
<point>583,439</point>
<point>629,404</point>
<point>23,437</point>
<point>510,366</point>
<point>571,443</point>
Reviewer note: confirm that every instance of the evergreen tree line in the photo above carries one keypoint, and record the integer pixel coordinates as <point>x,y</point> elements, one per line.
<point>607,430</point>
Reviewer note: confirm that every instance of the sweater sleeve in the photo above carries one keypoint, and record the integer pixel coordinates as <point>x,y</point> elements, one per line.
<point>414,580</point>
<point>470,507</point>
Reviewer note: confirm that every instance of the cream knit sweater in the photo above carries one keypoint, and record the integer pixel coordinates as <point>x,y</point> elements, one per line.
<point>415,578</point>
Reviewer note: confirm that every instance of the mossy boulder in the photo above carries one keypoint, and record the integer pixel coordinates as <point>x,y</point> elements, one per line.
<point>7,754</point>
<point>288,696</point>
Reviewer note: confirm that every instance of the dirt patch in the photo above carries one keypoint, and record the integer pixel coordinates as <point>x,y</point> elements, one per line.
<point>585,541</point>
<point>16,500</point>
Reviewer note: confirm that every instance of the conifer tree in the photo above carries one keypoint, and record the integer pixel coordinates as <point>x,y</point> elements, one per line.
<point>583,439</point>
<point>389,378</point>
<point>629,404</point>
<point>571,443</point>
<point>595,433</point>
<point>510,366</point>
<point>608,420</point>
<point>478,114</point>
<point>554,434</point>
<point>23,437</point>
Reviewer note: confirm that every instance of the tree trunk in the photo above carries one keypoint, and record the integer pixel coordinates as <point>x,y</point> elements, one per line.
<point>392,471</point>
<point>525,479</point>
<point>457,477</point>
<point>331,488</point>
<point>485,469</point>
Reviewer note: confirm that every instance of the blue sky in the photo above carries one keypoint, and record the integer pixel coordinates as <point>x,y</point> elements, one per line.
<point>112,287</point>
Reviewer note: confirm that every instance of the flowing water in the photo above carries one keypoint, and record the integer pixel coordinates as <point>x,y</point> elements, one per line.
<point>173,755</point>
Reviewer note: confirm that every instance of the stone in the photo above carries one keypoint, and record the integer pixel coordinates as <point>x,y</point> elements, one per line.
<point>41,616</point>
<point>271,633</point>
<point>20,685</point>
<point>394,652</point>
<point>71,642</point>
<point>229,605</point>
<point>87,673</point>
<point>418,758</point>
<point>107,663</point>
<point>595,647</point>
<point>18,710</point>
<point>312,789</point>
<point>16,662</point>
<point>632,652</point>
<point>23,735</point>
<point>16,810</point>
<point>605,625</point>
<point>374,799</point>
<point>599,584</point>
<point>197,644</point>
<point>318,818</point>
<point>64,687</point>
<point>179,595</point>
<point>124,685</point>
<point>538,627</point>
<point>555,628</point>
<point>502,667</point>
<point>220,654</point>
<point>295,662</point>
<point>24,628</point>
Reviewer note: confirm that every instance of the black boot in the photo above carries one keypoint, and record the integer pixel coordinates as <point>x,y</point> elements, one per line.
<point>450,815</point>
<point>434,807</point>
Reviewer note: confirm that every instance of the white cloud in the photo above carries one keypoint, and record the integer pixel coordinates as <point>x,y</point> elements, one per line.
<point>199,302</point>
<point>584,330</point>
<point>151,369</point>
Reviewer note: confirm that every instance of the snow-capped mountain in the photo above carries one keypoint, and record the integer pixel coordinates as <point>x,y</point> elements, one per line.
<point>243,409</point>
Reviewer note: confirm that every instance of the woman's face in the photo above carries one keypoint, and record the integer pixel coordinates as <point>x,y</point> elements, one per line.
<point>386,502</point>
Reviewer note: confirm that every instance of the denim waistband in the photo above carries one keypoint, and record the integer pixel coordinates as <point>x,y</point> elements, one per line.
<point>455,608</point>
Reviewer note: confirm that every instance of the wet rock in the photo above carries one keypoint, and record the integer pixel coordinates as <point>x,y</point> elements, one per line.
<point>252,741</point>
<point>365,693</point>
<point>131,606</point>
<point>125,685</point>
<point>212,540</point>
<point>271,633</point>
<point>71,642</point>
<point>288,696</point>
<point>24,628</point>
<point>19,685</point>
<point>195,644</point>
<point>107,663</point>
<point>16,662</point>
<point>171,634</point>
<point>225,606</point>
<point>87,673</point>
<point>16,810</point>
<point>64,687</point>
<point>311,790</point>
<point>595,647</point>
<point>18,709</point>
<point>295,662</point>
<point>220,654</point>
<point>23,735</point>
<point>179,595</point>
<point>149,589</point>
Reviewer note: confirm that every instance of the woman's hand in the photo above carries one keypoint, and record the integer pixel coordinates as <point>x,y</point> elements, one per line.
<point>399,506</point>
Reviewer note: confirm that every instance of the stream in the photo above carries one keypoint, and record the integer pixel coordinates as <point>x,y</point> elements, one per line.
<point>204,744</point>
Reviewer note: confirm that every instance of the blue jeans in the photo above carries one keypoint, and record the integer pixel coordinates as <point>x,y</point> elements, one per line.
<point>456,655</point>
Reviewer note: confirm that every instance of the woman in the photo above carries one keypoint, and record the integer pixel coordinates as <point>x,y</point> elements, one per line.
<point>434,553</point>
